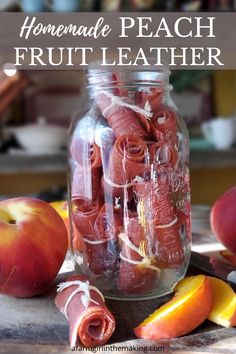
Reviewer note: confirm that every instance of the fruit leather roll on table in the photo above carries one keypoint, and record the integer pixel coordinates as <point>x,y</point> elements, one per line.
<point>90,321</point>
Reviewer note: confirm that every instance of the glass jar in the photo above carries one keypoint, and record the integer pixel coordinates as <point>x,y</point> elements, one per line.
<point>129,185</point>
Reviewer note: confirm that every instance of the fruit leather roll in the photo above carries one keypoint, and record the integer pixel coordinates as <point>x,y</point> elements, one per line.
<point>77,240</point>
<point>169,249</point>
<point>137,274</point>
<point>164,126</point>
<point>162,153</point>
<point>115,193</point>
<point>155,200</point>
<point>122,116</point>
<point>128,159</point>
<point>101,256</point>
<point>87,173</point>
<point>84,213</point>
<point>108,223</point>
<point>151,99</point>
<point>85,153</point>
<point>90,321</point>
<point>86,182</point>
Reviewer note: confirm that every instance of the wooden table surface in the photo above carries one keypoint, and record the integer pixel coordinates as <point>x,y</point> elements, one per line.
<point>35,326</point>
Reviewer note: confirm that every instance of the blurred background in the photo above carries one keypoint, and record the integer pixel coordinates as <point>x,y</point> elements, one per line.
<point>118,5</point>
<point>36,109</point>
<point>38,106</point>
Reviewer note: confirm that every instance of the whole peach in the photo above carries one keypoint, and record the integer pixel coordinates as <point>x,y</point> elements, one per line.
<point>223,219</point>
<point>33,245</point>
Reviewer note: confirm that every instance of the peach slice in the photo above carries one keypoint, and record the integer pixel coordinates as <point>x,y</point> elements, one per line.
<point>230,257</point>
<point>189,307</point>
<point>223,311</point>
<point>62,208</point>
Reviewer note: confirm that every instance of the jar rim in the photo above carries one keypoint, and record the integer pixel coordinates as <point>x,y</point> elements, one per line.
<point>97,65</point>
<point>107,77</point>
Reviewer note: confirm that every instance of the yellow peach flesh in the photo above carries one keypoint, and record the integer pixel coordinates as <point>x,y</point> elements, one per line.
<point>224,303</point>
<point>184,291</point>
<point>61,208</point>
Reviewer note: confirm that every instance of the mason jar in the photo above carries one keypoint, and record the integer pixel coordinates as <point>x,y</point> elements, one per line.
<point>129,185</point>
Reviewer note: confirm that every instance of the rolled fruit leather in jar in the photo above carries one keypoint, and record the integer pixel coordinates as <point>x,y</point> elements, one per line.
<point>129,185</point>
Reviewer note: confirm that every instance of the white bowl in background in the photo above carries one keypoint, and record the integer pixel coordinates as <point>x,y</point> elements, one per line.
<point>41,137</point>
<point>220,132</point>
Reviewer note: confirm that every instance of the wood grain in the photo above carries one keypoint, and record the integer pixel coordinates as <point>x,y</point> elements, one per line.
<point>35,326</point>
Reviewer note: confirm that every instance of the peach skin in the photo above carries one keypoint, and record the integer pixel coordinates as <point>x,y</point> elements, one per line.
<point>223,219</point>
<point>223,311</point>
<point>189,307</point>
<point>33,246</point>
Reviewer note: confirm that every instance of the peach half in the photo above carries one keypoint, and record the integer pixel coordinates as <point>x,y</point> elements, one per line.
<point>189,307</point>
<point>223,311</point>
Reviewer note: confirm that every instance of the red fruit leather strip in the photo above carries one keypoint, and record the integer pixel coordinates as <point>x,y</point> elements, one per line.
<point>170,251</point>
<point>84,213</point>
<point>122,120</point>
<point>101,256</point>
<point>86,182</point>
<point>145,123</point>
<point>119,89</point>
<point>112,192</point>
<point>85,153</point>
<point>162,153</point>
<point>108,223</point>
<point>77,240</point>
<point>135,278</point>
<point>153,98</point>
<point>155,194</point>
<point>127,159</point>
<point>91,323</point>
<point>167,244</point>
<point>155,198</point>
<point>151,101</point>
<point>136,234</point>
<point>165,122</point>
